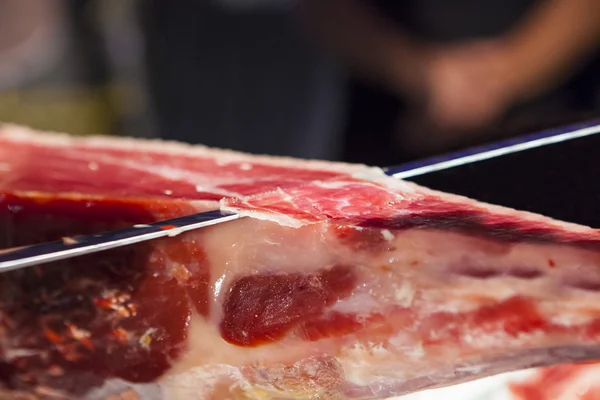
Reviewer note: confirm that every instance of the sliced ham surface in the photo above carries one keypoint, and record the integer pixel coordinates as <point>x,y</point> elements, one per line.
<point>340,283</point>
<point>563,382</point>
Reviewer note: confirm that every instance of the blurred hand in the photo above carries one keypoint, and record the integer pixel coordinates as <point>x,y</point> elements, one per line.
<point>463,88</point>
<point>468,86</point>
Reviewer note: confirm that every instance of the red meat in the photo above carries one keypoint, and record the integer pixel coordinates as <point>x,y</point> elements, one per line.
<point>340,283</point>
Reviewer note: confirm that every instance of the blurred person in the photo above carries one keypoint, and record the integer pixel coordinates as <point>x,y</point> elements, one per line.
<point>56,72</point>
<point>31,39</point>
<point>240,74</point>
<point>44,77</point>
<point>440,74</point>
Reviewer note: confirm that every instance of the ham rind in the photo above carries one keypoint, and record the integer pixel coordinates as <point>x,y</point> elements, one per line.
<point>340,282</point>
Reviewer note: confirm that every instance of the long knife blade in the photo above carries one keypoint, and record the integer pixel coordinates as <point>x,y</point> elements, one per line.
<point>22,257</point>
<point>494,150</point>
<point>11,259</point>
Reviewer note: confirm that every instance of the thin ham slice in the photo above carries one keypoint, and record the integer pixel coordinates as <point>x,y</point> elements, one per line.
<point>340,283</point>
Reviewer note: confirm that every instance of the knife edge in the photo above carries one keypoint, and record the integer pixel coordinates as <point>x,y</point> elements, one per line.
<point>496,149</point>
<point>11,259</point>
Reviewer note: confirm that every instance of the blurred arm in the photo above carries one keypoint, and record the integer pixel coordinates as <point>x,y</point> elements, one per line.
<point>548,45</point>
<point>366,40</point>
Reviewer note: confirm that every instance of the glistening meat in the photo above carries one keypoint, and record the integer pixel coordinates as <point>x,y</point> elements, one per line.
<point>340,283</point>
<point>563,382</point>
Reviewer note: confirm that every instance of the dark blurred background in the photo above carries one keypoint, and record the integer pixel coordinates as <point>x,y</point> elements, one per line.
<point>374,81</point>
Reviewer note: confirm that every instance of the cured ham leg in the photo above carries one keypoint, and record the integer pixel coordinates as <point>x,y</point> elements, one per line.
<point>340,283</point>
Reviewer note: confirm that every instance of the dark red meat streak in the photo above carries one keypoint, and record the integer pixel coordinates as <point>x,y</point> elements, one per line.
<point>476,223</point>
<point>80,321</point>
<point>262,308</point>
